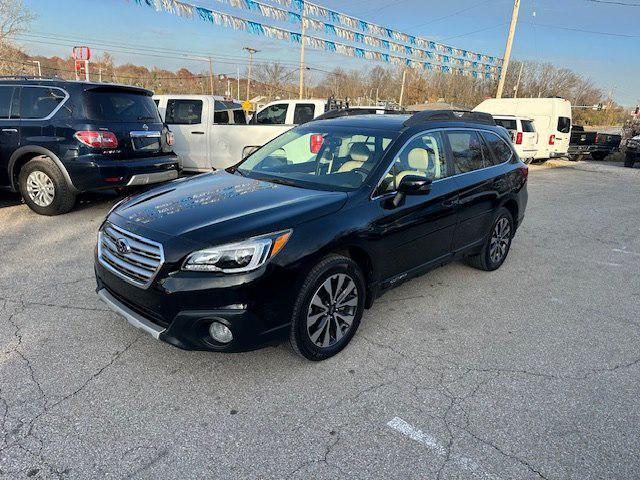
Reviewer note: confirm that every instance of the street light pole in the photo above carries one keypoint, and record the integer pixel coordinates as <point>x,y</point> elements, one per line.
<point>206,59</point>
<point>302,58</point>
<point>507,50</point>
<point>37,62</point>
<point>251,52</point>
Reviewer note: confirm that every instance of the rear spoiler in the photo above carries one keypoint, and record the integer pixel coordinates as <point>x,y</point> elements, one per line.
<point>115,87</point>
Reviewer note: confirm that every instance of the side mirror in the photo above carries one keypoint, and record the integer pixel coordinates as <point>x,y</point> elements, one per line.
<point>246,151</point>
<point>414,185</point>
<point>410,185</point>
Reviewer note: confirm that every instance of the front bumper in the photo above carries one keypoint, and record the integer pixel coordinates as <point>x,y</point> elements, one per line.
<point>180,307</point>
<point>94,172</point>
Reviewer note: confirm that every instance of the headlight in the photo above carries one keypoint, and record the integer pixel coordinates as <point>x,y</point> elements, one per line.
<point>237,257</point>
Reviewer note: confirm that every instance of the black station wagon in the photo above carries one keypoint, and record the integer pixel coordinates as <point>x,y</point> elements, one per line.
<point>300,237</point>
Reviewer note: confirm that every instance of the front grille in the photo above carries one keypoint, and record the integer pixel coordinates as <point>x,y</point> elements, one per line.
<point>131,257</point>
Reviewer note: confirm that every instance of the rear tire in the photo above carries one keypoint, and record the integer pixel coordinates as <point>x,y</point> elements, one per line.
<point>497,244</point>
<point>629,160</point>
<point>598,155</point>
<point>44,188</point>
<point>328,309</point>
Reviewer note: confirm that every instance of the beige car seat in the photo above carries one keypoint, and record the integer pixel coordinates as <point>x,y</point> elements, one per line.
<point>359,154</point>
<point>418,160</point>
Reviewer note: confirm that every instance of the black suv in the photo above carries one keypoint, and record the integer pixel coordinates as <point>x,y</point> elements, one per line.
<point>302,235</point>
<point>60,138</point>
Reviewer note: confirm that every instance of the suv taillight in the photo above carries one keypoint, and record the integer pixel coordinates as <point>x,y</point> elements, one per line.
<point>97,139</point>
<point>519,138</point>
<point>597,138</point>
<point>170,138</point>
<point>552,140</point>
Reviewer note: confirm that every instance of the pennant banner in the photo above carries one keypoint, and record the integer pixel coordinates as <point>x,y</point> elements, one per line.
<point>419,47</point>
<point>440,63</point>
<point>312,9</point>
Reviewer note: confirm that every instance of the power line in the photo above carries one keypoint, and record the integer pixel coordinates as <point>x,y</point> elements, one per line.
<point>611,2</point>
<point>476,31</point>
<point>450,15</point>
<point>594,32</point>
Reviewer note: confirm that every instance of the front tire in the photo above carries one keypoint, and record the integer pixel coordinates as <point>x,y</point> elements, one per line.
<point>44,188</point>
<point>328,308</point>
<point>497,245</point>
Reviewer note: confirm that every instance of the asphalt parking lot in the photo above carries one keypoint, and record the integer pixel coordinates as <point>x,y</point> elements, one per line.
<point>528,372</point>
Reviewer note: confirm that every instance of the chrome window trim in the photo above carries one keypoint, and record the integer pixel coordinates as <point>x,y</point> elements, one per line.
<point>55,110</point>
<point>445,178</point>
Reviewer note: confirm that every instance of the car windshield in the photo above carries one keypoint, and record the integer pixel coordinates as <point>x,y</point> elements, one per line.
<point>320,157</point>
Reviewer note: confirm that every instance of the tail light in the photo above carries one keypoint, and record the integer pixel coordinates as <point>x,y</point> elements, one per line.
<point>316,142</point>
<point>519,138</point>
<point>597,138</point>
<point>525,171</point>
<point>170,138</point>
<point>552,140</point>
<point>95,139</point>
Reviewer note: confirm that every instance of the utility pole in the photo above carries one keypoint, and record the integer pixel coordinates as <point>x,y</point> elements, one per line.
<point>251,52</point>
<point>515,90</point>
<point>211,75</point>
<point>302,57</point>
<point>100,74</point>
<point>404,77</point>
<point>37,62</point>
<point>238,80</point>
<point>507,50</point>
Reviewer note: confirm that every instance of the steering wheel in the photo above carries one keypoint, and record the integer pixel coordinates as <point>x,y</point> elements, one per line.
<point>362,171</point>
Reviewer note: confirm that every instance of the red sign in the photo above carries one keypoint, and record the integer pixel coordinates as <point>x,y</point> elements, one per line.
<point>80,67</point>
<point>81,53</point>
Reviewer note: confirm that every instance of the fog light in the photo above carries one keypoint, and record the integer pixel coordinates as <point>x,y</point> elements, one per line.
<point>220,333</point>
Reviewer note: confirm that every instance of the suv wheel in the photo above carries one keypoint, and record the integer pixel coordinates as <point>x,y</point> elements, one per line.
<point>44,188</point>
<point>629,160</point>
<point>496,246</point>
<point>328,309</point>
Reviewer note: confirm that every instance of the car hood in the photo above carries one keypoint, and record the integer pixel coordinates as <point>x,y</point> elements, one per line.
<point>219,207</point>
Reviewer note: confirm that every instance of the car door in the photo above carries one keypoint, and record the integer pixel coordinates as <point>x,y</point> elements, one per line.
<point>186,118</point>
<point>418,232</point>
<point>472,162</point>
<point>9,128</point>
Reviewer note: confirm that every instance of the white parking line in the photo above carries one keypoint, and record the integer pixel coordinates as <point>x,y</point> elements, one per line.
<point>428,441</point>
<point>621,250</point>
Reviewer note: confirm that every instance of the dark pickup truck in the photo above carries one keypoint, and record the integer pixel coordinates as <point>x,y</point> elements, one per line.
<point>596,144</point>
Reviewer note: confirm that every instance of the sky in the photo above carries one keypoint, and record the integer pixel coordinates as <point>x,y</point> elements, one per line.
<point>597,38</point>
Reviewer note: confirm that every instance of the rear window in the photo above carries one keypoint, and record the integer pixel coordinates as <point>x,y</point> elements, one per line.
<point>221,117</point>
<point>527,126</point>
<point>469,151</point>
<point>184,112</point>
<point>273,115</point>
<point>501,151</point>
<point>120,106</point>
<point>39,102</point>
<point>303,113</point>
<point>239,116</point>
<point>509,124</point>
<point>564,124</point>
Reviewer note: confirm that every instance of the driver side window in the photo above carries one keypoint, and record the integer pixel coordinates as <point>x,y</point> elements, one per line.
<point>422,156</point>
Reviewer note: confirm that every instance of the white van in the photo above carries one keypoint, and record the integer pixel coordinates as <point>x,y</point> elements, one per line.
<point>551,117</point>
<point>523,134</point>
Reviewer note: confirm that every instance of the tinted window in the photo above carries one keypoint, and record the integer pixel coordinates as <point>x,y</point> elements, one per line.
<point>221,117</point>
<point>564,124</point>
<point>501,151</point>
<point>38,102</point>
<point>239,116</point>
<point>303,113</point>
<point>507,123</point>
<point>120,106</point>
<point>422,156</point>
<point>527,126</point>
<point>273,115</point>
<point>184,112</point>
<point>469,151</point>
<point>5,101</point>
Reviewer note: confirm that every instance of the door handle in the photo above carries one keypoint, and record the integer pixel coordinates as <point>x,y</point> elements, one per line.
<point>10,130</point>
<point>197,133</point>
<point>450,203</point>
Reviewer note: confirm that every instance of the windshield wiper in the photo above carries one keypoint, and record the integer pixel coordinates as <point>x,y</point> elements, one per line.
<point>280,181</point>
<point>146,118</point>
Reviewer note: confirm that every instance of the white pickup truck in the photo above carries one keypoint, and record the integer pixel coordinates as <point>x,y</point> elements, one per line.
<point>212,131</point>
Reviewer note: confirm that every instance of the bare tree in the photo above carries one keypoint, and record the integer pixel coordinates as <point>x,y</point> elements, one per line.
<point>14,17</point>
<point>275,79</point>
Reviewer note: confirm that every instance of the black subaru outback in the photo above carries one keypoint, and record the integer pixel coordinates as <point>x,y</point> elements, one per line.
<point>60,138</point>
<point>302,235</point>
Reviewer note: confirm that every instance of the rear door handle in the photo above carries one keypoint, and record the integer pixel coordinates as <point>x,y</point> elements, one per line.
<point>450,203</point>
<point>197,133</point>
<point>10,130</point>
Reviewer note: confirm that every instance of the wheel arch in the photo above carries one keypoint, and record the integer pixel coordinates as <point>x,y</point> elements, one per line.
<point>364,261</point>
<point>512,205</point>
<point>24,154</point>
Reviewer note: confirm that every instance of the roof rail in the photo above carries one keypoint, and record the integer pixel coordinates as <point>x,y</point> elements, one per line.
<point>426,116</point>
<point>348,112</point>
<point>30,77</point>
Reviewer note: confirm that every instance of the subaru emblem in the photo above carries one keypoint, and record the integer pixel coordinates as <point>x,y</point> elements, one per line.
<point>122,245</point>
